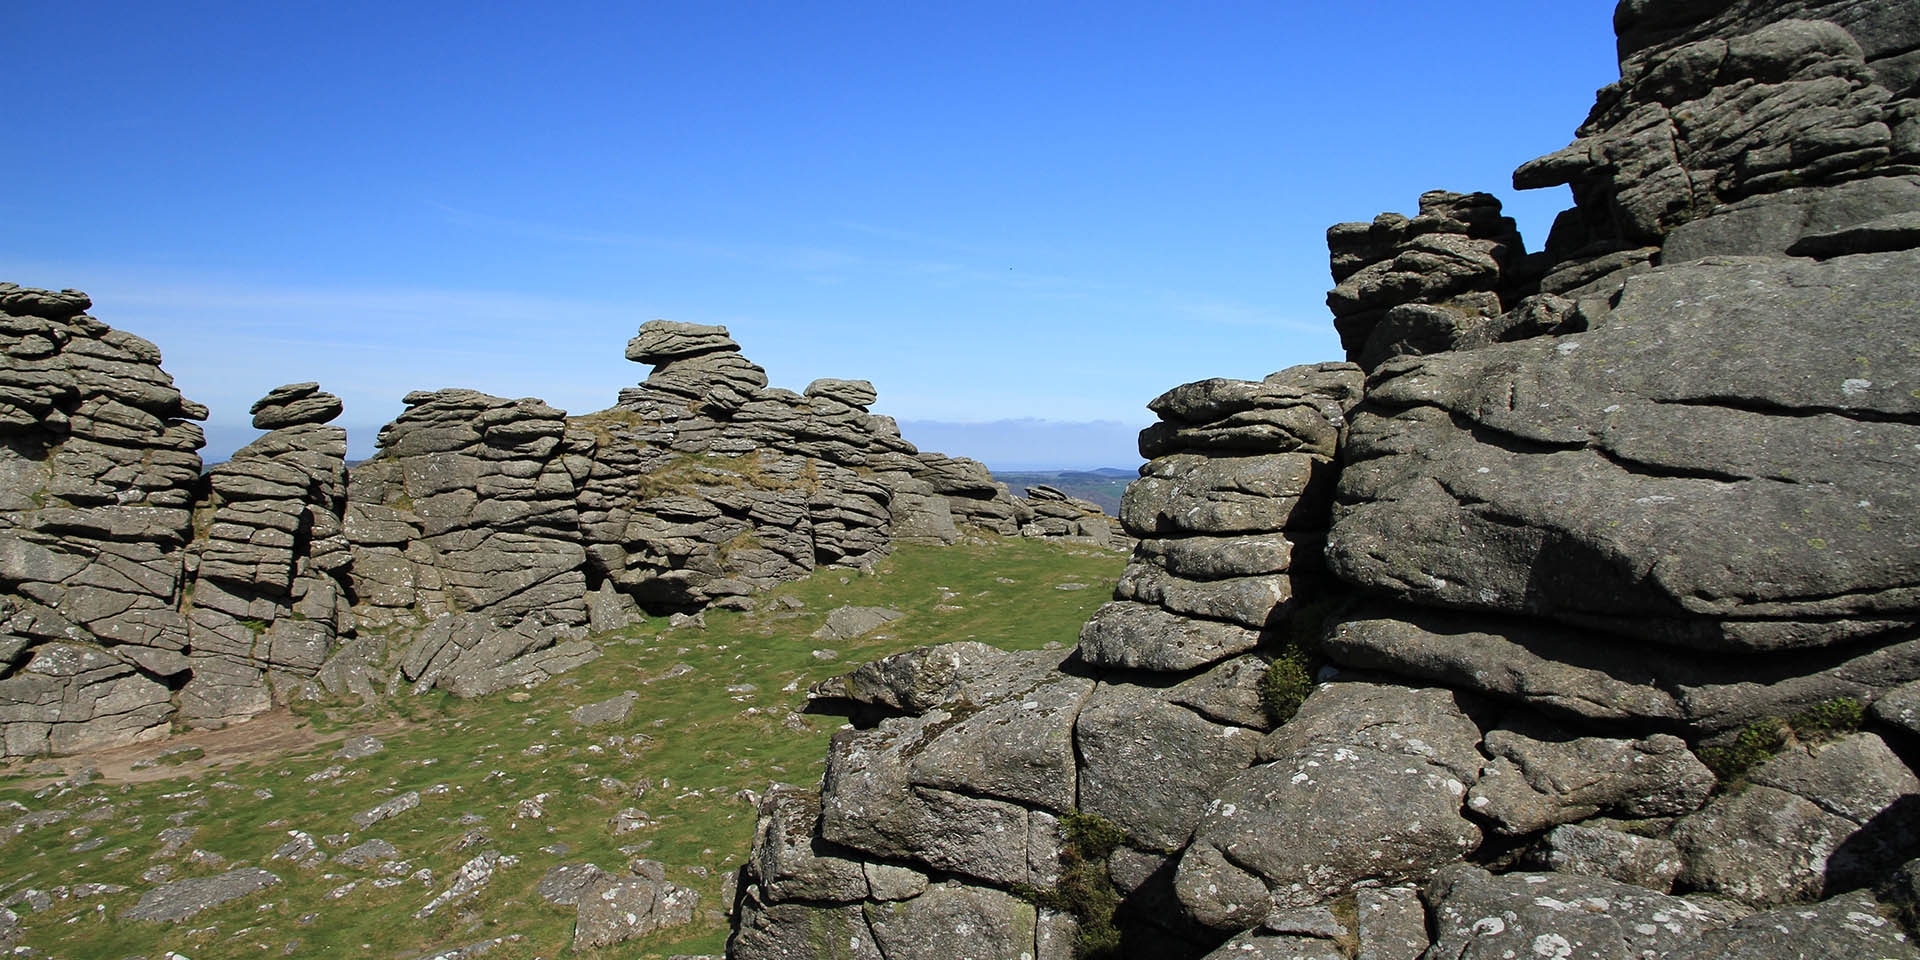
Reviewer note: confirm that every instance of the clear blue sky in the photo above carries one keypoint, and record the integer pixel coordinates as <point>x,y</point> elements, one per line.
<point>991,210</point>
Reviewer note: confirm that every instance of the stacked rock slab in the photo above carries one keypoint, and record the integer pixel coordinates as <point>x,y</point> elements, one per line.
<point>707,485</point>
<point>269,597</point>
<point>1601,514</point>
<point>100,467</point>
<point>971,757</point>
<point>470,507</point>
<point>1230,510</point>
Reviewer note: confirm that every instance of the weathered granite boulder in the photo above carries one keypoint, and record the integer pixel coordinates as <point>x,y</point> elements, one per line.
<point>171,902</point>
<point>1599,851</point>
<point>1750,504</point>
<point>98,472</point>
<point>1845,927</point>
<point>470,506</point>
<point>1478,914</point>
<point>270,598</point>
<point>1423,284</point>
<point>1816,821</point>
<point>1540,777</point>
<point>467,655</point>
<point>1364,785</point>
<point>1241,475</point>
<point>613,909</point>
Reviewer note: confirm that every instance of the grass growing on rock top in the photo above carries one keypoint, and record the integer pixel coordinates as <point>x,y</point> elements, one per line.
<point>717,715</point>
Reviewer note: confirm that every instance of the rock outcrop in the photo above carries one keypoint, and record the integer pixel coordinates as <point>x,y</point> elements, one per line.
<point>470,507</point>
<point>100,466</point>
<point>707,485</point>
<point>269,599</point>
<point>1577,615</point>
<point>472,553</point>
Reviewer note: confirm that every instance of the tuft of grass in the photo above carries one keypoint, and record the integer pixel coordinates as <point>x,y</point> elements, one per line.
<point>1085,889</point>
<point>1766,737</point>
<point>1286,684</point>
<point>1755,745</point>
<point>1290,671</point>
<point>1829,720</point>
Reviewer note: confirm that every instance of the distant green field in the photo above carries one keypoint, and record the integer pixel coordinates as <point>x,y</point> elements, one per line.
<point>1103,486</point>
<point>698,736</point>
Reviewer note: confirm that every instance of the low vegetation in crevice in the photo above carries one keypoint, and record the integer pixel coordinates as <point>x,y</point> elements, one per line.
<point>1085,889</point>
<point>1291,668</point>
<point>1762,739</point>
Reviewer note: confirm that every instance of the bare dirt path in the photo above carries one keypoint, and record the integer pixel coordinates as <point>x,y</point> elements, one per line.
<point>276,733</point>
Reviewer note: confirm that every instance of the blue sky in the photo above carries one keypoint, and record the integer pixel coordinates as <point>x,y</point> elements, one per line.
<point>994,211</point>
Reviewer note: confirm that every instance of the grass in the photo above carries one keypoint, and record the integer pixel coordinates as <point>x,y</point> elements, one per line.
<point>1290,671</point>
<point>1761,740</point>
<point>693,744</point>
<point>1085,889</point>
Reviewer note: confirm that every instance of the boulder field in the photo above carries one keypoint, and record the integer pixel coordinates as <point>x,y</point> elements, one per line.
<point>1577,614</point>
<point>474,552</point>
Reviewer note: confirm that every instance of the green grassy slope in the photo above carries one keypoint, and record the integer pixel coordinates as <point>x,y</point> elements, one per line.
<point>697,737</point>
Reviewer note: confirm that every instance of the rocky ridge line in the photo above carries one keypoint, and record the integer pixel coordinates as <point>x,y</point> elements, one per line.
<point>473,553</point>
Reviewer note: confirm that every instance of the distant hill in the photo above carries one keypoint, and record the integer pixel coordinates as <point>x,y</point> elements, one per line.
<point>1102,485</point>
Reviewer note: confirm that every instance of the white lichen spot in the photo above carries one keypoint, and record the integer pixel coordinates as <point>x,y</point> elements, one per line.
<point>1854,386</point>
<point>1552,945</point>
<point>1488,927</point>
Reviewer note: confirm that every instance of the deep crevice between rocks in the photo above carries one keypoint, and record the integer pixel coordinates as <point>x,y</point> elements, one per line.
<point>1773,409</point>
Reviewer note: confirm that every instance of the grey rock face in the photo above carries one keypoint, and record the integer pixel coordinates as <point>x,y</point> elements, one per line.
<point>661,342</point>
<point>564,884</point>
<point>98,468</point>
<point>1366,783</point>
<point>1803,221</point>
<point>957,921</point>
<point>1478,914</point>
<point>915,681</point>
<point>1422,284</point>
<point>1589,677</point>
<point>1693,124</point>
<point>1817,821</point>
<point>1797,562</point>
<point>971,786</point>
<point>845,623</point>
<point>1848,926</point>
<point>790,858</point>
<point>68,699</point>
<point>1900,709</point>
<point>1393,924</point>
<point>615,909</point>
<point>270,597</point>
<point>470,506</point>
<point>1599,852</point>
<point>1540,777</point>
<point>387,810</point>
<point>468,656</point>
<point>293,405</point>
<point>1239,481</point>
<point>799,931</point>
<point>853,393</point>
<point>184,898</point>
<point>612,710</point>
<point>1150,766</point>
